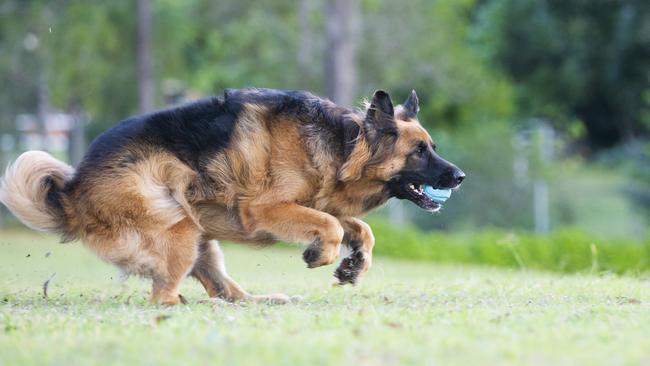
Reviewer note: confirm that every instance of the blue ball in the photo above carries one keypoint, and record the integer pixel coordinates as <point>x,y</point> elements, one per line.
<point>437,195</point>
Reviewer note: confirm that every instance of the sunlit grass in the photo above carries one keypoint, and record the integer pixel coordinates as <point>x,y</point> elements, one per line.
<point>404,313</point>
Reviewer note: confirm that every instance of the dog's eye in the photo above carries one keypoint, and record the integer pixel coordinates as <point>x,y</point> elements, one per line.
<point>421,149</point>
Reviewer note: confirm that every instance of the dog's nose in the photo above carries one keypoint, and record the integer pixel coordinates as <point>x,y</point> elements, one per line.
<point>459,175</point>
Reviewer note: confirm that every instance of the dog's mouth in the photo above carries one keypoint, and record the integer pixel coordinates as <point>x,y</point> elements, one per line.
<point>423,195</point>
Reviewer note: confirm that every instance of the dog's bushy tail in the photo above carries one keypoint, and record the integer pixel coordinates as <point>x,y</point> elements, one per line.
<point>32,189</point>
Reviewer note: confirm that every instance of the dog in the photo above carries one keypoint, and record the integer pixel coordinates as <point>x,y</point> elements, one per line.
<point>155,194</point>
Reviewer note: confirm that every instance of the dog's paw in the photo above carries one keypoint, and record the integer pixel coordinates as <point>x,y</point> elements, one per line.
<point>315,255</point>
<point>312,254</point>
<point>170,300</point>
<point>350,268</point>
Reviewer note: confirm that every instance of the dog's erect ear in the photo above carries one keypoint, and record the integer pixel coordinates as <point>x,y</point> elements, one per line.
<point>380,118</point>
<point>411,106</point>
<point>380,131</point>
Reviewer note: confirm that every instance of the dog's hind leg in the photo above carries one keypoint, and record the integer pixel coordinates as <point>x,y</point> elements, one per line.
<point>359,238</point>
<point>210,270</point>
<point>178,247</point>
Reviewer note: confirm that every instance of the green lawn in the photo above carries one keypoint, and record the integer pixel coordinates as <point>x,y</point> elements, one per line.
<point>404,313</point>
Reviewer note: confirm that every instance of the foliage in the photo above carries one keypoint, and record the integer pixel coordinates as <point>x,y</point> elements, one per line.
<point>79,53</point>
<point>432,55</point>
<point>20,59</point>
<point>573,59</point>
<point>229,44</point>
<point>562,251</point>
<point>92,60</point>
<point>87,52</point>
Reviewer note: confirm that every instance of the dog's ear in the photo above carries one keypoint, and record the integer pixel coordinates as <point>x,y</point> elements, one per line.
<point>412,106</point>
<point>380,118</point>
<point>380,131</point>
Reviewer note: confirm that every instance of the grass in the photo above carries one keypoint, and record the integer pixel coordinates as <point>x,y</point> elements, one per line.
<point>404,313</point>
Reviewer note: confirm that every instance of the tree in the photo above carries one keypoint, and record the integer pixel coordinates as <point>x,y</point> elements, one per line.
<point>24,65</point>
<point>143,45</point>
<point>342,32</point>
<point>573,59</point>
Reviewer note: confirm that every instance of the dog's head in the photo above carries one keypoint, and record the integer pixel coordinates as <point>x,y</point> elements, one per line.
<point>403,155</point>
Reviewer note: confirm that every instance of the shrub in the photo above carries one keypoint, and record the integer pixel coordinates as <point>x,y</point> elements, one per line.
<point>567,250</point>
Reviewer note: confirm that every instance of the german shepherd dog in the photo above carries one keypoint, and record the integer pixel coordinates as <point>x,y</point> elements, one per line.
<point>154,194</point>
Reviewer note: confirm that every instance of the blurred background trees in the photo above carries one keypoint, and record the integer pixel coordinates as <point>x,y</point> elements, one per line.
<point>582,60</point>
<point>492,76</point>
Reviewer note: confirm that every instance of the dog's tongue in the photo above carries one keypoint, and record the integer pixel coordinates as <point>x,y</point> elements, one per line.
<point>437,195</point>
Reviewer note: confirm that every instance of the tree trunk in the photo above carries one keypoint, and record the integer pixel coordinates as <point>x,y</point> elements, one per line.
<point>145,79</point>
<point>343,24</point>
<point>306,42</point>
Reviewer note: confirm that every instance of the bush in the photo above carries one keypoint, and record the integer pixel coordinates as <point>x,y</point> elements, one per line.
<point>567,250</point>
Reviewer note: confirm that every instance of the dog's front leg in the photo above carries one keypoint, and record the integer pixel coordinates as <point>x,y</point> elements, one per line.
<point>359,238</point>
<point>294,223</point>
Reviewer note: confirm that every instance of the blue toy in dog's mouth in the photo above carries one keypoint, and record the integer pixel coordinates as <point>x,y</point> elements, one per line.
<point>438,196</point>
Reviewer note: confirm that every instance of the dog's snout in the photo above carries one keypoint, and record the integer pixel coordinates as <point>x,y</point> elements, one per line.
<point>459,176</point>
<point>451,178</point>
